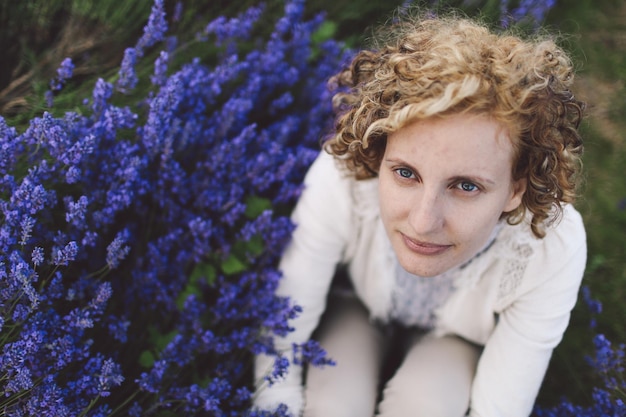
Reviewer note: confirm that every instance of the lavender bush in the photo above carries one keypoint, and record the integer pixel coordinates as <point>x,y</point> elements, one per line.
<point>140,242</point>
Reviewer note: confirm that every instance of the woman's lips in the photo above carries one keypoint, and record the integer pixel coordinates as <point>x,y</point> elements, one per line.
<point>424,248</point>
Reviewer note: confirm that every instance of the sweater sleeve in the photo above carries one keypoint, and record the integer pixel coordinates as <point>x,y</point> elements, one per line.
<point>323,225</point>
<point>516,355</point>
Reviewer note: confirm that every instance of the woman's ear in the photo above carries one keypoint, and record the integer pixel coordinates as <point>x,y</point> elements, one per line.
<point>518,188</point>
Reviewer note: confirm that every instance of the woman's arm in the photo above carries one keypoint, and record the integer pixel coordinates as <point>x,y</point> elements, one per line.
<point>323,226</point>
<point>516,356</point>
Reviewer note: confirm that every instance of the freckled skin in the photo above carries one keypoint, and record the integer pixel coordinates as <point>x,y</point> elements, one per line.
<point>443,185</point>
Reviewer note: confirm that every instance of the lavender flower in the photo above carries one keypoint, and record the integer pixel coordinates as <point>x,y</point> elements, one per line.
<point>109,376</point>
<point>76,211</point>
<point>64,255</point>
<point>117,250</point>
<point>72,175</point>
<point>533,11</point>
<point>160,69</point>
<point>311,352</point>
<point>235,29</point>
<point>594,306</point>
<point>127,77</point>
<point>155,29</point>
<point>609,362</point>
<point>26,224</point>
<point>64,72</point>
<point>178,11</point>
<point>37,256</point>
<point>8,147</point>
<point>101,94</point>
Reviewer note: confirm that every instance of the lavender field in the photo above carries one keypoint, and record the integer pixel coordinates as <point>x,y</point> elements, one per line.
<point>146,181</point>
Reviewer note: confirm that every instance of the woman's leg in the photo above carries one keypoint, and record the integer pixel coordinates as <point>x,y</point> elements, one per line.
<point>349,388</point>
<point>434,380</point>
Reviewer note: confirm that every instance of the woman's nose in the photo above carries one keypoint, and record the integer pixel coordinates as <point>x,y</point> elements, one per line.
<point>427,211</point>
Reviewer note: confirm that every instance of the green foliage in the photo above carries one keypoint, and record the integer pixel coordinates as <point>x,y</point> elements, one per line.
<point>353,20</point>
<point>256,205</point>
<point>205,273</point>
<point>158,342</point>
<point>596,31</point>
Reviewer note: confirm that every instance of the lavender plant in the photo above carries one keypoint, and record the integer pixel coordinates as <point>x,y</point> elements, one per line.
<point>140,241</point>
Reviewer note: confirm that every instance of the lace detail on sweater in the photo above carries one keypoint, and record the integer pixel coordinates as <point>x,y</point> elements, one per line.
<point>514,269</point>
<point>516,248</point>
<point>415,299</point>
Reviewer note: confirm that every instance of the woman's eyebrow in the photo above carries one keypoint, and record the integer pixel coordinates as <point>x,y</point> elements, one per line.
<point>473,178</point>
<point>399,161</point>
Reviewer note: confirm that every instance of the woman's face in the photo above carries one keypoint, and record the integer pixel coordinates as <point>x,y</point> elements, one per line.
<point>443,184</point>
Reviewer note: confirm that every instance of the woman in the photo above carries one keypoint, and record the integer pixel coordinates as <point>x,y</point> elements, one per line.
<point>446,192</point>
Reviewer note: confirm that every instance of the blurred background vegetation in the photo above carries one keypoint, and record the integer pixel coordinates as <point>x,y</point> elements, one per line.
<point>35,35</point>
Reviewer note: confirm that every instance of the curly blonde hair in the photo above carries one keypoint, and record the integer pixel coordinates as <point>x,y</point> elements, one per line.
<point>438,66</point>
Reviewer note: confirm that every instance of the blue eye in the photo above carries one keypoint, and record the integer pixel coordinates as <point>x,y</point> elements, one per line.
<point>404,172</point>
<point>468,186</point>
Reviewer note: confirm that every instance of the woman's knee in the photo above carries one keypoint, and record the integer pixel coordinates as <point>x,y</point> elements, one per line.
<point>349,388</point>
<point>335,406</point>
<point>434,379</point>
<point>403,401</point>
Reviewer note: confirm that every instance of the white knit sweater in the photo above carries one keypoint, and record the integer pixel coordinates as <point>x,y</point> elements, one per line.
<point>515,299</point>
